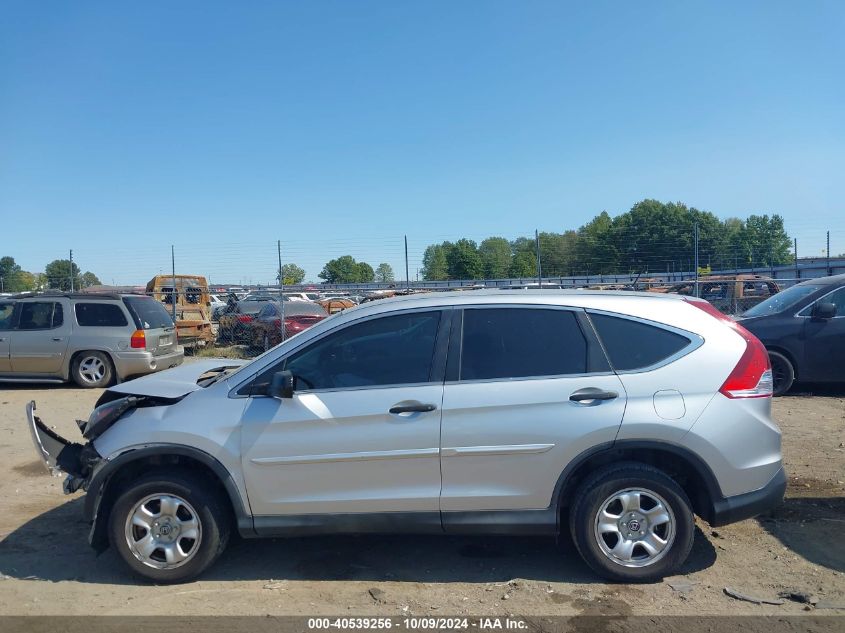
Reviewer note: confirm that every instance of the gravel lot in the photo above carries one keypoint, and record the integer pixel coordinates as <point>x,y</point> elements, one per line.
<point>48,567</point>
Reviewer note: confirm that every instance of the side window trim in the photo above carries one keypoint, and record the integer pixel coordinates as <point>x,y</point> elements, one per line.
<point>595,353</point>
<point>696,341</point>
<point>243,388</point>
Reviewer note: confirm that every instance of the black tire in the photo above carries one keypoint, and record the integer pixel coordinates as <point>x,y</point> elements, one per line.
<point>92,369</point>
<point>592,495</point>
<point>205,501</point>
<point>783,373</point>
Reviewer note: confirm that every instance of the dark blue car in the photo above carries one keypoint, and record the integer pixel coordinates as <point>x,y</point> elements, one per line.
<point>803,328</point>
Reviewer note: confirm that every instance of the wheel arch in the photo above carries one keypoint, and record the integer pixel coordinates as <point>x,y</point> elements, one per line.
<point>107,482</point>
<point>71,358</point>
<point>786,354</point>
<point>679,463</point>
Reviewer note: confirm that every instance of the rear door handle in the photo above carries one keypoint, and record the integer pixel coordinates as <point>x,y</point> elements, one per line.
<point>591,393</point>
<point>411,408</point>
<point>57,338</point>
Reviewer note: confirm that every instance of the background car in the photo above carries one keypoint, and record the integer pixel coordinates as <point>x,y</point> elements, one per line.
<point>803,328</point>
<point>92,339</point>
<point>235,319</point>
<point>216,304</point>
<point>266,327</point>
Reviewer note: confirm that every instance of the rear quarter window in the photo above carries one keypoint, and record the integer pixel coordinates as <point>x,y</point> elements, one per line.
<point>148,313</point>
<point>100,315</point>
<point>632,345</point>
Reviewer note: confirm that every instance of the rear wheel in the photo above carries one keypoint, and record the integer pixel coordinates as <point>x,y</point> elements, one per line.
<point>783,373</point>
<point>92,369</point>
<point>632,523</point>
<point>169,526</point>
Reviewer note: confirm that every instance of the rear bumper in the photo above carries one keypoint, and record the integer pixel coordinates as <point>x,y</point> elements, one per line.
<point>750,504</point>
<point>137,363</point>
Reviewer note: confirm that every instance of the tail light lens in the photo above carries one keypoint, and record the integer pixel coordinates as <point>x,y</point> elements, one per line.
<point>752,376</point>
<point>138,340</point>
<point>244,318</point>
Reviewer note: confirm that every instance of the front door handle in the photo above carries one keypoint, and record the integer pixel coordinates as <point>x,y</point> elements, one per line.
<point>591,393</point>
<point>57,338</point>
<point>411,408</point>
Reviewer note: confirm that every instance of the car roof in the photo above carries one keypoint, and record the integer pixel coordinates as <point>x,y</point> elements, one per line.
<point>100,296</point>
<point>574,298</point>
<point>824,281</point>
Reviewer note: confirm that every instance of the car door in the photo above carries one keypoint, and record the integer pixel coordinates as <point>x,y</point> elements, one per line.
<point>7,311</point>
<point>531,391</point>
<point>361,432</point>
<point>40,339</point>
<point>824,341</point>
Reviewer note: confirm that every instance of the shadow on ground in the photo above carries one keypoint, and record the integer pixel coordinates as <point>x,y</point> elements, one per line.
<point>812,527</point>
<point>53,546</point>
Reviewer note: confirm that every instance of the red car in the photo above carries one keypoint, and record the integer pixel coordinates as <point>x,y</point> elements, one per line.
<point>266,327</point>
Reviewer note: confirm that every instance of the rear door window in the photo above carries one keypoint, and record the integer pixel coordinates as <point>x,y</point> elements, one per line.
<point>148,313</point>
<point>521,342</point>
<point>40,315</point>
<point>100,315</point>
<point>6,312</point>
<point>632,345</point>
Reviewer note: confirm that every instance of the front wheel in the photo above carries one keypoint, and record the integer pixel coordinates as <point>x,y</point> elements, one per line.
<point>169,526</point>
<point>632,523</point>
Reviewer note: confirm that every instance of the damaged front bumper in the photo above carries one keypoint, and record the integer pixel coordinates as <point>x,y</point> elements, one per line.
<point>59,455</point>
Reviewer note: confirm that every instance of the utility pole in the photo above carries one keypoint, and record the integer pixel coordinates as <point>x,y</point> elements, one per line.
<point>173,288</point>
<point>407,274</point>
<point>696,258</point>
<point>539,266</point>
<point>797,272</point>
<point>828,254</point>
<point>71,270</point>
<point>281,294</point>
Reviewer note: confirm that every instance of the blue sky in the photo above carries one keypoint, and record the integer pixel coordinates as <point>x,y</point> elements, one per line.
<point>337,127</point>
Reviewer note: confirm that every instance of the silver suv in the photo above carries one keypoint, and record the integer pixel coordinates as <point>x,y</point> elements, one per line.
<point>92,339</point>
<point>615,416</point>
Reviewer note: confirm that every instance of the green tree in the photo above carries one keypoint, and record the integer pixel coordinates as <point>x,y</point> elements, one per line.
<point>365,272</point>
<point>89,279</point>
<point>463,261</point>
<point>384,273</point>
<point>345,270</point>
<point>291,274</point>
<point>767,241</point>
<point>495,255</point>
<point>59,273</point>
<point>523,264</point>
<point>435,266</point>
<point>10,274</point>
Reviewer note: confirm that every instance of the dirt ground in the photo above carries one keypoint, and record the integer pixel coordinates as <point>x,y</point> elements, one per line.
<point>48,568</point>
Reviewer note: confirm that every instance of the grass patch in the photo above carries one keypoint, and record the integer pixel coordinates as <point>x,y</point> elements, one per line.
<point>229,351</point>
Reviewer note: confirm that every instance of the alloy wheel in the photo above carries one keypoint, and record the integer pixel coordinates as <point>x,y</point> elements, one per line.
<point>163,531</point>
<point>92,369</point>
<point>635,527</point>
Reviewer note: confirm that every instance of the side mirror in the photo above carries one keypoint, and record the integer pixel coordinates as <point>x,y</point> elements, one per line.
<point>282,385</point>
<point>824,311</point>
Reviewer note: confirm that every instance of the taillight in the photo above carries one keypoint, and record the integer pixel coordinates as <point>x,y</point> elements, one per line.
<point>138,340</point>
<point>244,318</point>
<point>752,376</point>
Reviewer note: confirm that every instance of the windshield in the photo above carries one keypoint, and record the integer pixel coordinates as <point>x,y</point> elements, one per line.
<point>781,301</point>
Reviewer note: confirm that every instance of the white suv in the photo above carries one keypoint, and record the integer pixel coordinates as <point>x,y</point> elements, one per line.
<point>615,416</point>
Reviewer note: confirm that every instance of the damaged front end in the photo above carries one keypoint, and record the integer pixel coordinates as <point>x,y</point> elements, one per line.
<point>77,461</point>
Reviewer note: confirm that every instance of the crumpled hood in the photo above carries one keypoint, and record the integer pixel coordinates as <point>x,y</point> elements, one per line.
<point>176,382</point>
